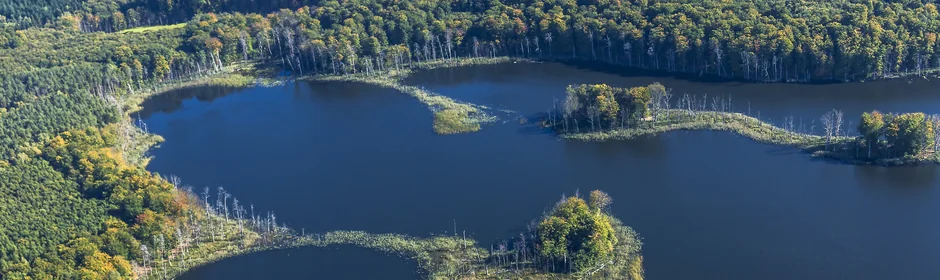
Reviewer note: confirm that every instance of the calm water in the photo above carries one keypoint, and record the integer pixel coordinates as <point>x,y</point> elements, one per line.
<point>318,263</point>
<point>709,205</point>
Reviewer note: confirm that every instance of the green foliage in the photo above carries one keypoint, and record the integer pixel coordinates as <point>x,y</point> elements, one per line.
<point>93,210</point>
<point>577,234</point>
<point>602,104</point>
<point>870,128</point>
<point>909,134</point>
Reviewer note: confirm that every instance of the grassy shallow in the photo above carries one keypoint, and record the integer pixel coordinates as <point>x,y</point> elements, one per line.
<point>842,148</point>
<point>234,76</point>
<point>451,121</point>
<point>152,28</point>
<point>454,257</point>
<point>438,257</point>
<point>450,116</point>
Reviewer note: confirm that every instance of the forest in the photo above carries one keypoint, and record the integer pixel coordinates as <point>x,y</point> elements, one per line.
<point>68,69</point>
<point>756,40</point>
<point>74,209</point>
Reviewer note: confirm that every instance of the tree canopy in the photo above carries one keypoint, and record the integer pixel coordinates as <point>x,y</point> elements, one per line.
<point>577,234</point>
<point>760,40</point>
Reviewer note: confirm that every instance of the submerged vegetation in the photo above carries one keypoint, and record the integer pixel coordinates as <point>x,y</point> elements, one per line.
<point>601,112</point>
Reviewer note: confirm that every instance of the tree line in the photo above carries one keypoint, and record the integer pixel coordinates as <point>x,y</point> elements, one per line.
<point>770,40</point>
<point>776,40</point>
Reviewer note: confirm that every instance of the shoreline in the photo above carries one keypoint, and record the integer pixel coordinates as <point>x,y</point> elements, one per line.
<point>839,148</point>
<point>464,117</point>
<point>440,256</point>
<point>614,68</point>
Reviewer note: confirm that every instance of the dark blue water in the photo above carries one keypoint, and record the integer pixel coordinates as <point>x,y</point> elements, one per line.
<point>309,263</point>
<point>709,205</point>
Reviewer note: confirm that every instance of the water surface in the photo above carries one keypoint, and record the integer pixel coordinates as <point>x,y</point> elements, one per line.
<point>709,205</point>
<point>317,263</point>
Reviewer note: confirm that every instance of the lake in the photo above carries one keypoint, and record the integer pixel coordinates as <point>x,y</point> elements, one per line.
<point>708,205</point>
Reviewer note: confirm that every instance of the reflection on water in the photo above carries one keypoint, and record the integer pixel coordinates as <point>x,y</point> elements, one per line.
<point>173,100</point>
<point>309,263</point>
<point>709,205</point>
<point>924,176</point>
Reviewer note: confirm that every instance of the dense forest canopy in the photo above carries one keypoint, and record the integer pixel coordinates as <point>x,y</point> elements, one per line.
<point>74,209</point>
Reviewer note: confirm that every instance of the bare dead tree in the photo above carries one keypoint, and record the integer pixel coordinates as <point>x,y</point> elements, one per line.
<point>610,54</point>
<point>687,100</point>
<point>242,40</point>
<point>145,254</point>
<point>828,121</point>
<point>591,37</point>
<point>548,39</point>
<point>476,47</point>
<point>935,122</point>
<point>182,260</point>
<point>537,48</point>
<point>837,122</point>
<point>570,108</point>
<point>205,197</point>
<point>627,47</point>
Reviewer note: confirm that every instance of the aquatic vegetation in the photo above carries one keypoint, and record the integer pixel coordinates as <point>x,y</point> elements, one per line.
<point>457,257</point>
<point>460,117</point>
<point>153,28</point>
<point>589,115</point>
<point>450,121</point>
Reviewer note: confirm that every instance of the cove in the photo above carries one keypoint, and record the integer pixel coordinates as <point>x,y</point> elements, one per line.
<point>709,205</point>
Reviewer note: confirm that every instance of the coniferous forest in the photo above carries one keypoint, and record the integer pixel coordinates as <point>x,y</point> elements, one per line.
<point>74,204</point>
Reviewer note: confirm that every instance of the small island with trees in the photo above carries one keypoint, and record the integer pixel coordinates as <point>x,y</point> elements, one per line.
<point>600,112</point>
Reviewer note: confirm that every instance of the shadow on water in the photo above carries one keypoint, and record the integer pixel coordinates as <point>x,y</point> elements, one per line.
<point>633,72</point>
<point>915,177</point>
<point>171,101</point>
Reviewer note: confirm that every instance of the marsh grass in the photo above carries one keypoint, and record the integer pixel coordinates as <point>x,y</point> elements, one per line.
<point>449,121</point>
<point>469,61</point>
<point>152,28</point>
<point>843,149</point>
<point>460,116</point>
<point>230,76</point>
<point>453,257</point>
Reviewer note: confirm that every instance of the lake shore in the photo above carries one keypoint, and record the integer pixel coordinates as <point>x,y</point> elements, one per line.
<point>450,116</point>
<point>456,257</point>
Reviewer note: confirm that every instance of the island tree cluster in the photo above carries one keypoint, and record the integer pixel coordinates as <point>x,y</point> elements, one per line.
<point>600,106</point>
<point>577,235</point>
<point>891,135</point>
